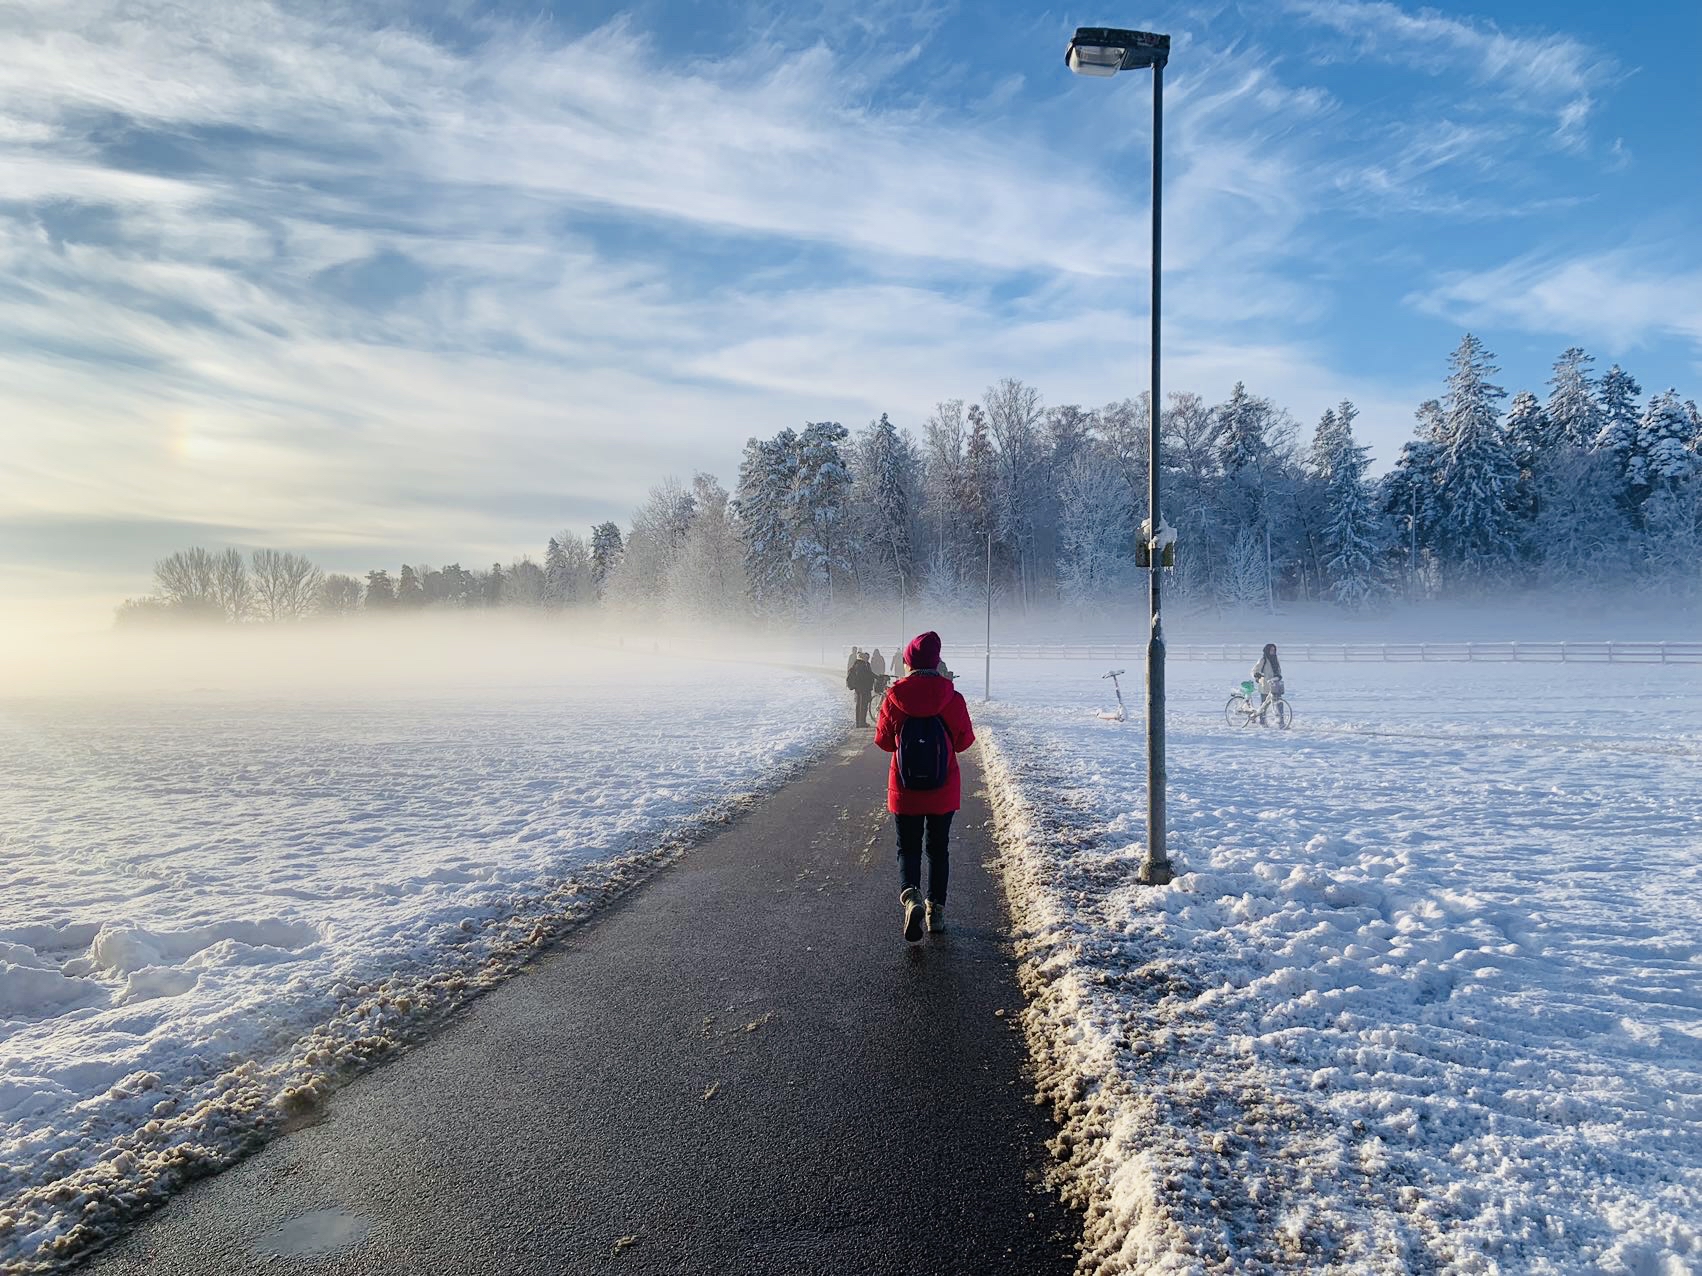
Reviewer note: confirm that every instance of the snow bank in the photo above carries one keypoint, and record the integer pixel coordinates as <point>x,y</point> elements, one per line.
<point>214,904</point>
<point>1425,996</point>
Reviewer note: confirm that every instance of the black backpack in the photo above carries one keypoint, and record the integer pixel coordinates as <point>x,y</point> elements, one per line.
<point>924,753</point>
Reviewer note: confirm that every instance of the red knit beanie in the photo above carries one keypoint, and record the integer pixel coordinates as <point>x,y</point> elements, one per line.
<point>923,651</point>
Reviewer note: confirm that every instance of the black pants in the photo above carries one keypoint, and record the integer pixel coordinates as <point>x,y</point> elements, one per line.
<point>910,829</point>
<point>863,698</point>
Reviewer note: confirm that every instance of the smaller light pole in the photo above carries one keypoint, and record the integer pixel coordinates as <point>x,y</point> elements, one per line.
<point>1104,51</point>
<point>987,676</point>
<point>902,630</point>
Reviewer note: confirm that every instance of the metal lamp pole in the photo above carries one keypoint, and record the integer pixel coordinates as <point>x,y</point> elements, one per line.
<point>1104,51</point>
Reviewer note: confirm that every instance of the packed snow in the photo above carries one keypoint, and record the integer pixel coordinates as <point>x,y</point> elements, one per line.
<point>213,901</point>
<point>1427,994</point>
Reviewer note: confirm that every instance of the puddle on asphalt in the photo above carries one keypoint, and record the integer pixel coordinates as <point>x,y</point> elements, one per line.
<point>314,1235</point>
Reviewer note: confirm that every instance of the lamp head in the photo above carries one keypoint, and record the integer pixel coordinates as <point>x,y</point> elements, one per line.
<point>1103,51</point>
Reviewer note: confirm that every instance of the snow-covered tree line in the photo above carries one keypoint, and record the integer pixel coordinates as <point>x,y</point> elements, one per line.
<point>1588,485</point>
<point>1592,485</point>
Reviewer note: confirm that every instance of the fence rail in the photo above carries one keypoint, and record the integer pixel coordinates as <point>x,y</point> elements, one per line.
<point>1634,653</point>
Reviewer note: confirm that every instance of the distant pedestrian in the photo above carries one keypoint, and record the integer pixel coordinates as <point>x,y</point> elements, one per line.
<point>877,662</point>
<point>1267,676</point>
<point>861,680</point>
<point>924,724</point>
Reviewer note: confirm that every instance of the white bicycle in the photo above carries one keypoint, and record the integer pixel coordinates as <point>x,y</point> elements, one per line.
<point>1244,708</point>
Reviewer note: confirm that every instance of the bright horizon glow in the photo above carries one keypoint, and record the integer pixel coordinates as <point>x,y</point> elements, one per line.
<point>433,285</point>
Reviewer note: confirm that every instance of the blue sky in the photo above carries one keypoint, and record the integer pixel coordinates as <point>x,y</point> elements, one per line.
<point>391,282</point>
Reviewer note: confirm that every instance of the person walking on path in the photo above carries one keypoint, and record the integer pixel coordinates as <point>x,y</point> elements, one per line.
<point>924,723</point>
<point>861,680</point>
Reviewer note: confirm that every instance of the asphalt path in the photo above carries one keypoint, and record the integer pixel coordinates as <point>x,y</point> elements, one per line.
<point>739,1068</point>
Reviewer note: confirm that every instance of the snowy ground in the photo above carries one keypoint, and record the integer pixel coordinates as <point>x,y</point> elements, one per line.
<point>212,901</point>
<point>1428,996</point>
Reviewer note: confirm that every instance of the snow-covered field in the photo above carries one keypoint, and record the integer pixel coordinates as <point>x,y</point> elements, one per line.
<point>214,900</point>
<point>1428,996</point>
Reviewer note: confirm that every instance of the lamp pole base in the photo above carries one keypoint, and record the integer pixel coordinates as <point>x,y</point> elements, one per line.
<point>1152,874</point>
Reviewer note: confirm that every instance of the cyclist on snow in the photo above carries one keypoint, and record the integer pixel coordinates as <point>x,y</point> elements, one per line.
<point>1267,676</point>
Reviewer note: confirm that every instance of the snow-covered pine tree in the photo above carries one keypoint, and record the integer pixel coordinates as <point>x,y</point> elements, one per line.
<point>818,504</point>
<point>1240,430</point>
<point>1574,411</point>
<point>409,592</point>
<point>1408,498</point>
<point>763,504</point>
<point>555,573</point>
<point>1353,532</point>
<point>607,546</point>
<point>1661,457</point>
<point>883,483</point>
<point>1093,531</point>
<point>1477,531</point>
<point>1530,437</point>
<point>1618,434</point>
<point>1326,442</point>
<point>380,591</point>
<point>1529,433</point>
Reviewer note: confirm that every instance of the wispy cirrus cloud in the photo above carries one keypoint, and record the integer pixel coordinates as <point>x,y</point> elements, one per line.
<point>1549,74</point>
<point>1623,296</point>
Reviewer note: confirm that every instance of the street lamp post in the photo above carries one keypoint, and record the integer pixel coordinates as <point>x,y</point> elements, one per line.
<point>1104,51</point>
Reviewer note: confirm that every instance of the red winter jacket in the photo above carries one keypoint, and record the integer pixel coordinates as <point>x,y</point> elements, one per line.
<point>923,695</point>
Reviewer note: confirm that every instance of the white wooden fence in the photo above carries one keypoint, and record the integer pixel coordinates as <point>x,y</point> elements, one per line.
<point>1637,653</point>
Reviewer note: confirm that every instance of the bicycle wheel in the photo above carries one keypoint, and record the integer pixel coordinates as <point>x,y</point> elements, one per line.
<point>1238,712</point>
<point>1284,714</point>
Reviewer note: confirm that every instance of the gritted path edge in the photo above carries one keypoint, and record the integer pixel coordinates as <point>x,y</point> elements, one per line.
<point>740,1067</point>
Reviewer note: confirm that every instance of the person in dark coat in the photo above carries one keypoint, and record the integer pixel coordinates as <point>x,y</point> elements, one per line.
<point>1267,676</point>
<point>861,680</point>
<point>918,812</point>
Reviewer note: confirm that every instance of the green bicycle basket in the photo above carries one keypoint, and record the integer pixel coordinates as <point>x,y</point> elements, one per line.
<point>1247,688</point>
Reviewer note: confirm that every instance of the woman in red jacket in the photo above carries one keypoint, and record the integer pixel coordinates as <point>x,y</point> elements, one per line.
<point>924,724</point>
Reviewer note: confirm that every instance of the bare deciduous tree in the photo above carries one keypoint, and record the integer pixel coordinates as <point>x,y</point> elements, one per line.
<point>286,586</point>
<point>187,580</point>
<point>339,595</point>
<point>232,589</point>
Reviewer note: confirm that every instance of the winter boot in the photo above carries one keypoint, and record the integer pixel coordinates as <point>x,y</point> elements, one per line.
<point>936,918</point>
<point>911,898</point>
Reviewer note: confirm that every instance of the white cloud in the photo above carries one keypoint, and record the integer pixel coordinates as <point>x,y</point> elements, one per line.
<point>1550,73</point>
<point>1624,297</point>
